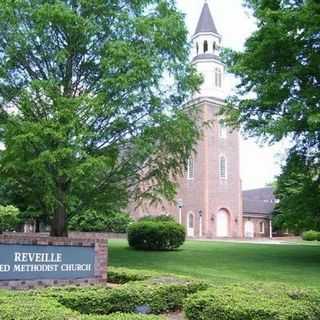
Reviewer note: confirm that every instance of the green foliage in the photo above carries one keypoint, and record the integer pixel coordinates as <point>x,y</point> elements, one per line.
<point>253,302</point>
<point>311,235</point>
<point>163,218</point>
<point>93,221</point>
<point>9,218</point>
<point>121,316</point>
<point>153,234</point>
<point>92,120</point>
<point>298,190</point>
<point>278,94</point>
<point>23,307</point>
<point>124,275</point>
<point>157,295</point>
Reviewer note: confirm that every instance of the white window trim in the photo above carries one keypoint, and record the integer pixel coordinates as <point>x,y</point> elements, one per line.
<point>263,227</point>
<point>189,175</point>
<point>218,75</point>
<point>190,213</point>
<point>223,131</point>
<point>226,167</point>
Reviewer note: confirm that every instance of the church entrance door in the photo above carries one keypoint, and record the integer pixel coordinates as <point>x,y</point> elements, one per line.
<point>222,224</point>
<point>249,229</point>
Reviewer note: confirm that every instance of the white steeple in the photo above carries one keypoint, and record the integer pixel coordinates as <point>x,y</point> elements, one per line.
<point>206,44</point>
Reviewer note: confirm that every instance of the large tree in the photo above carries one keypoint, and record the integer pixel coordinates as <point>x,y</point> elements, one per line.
<point>91,95</point>
<point>298,189</point>
<point>278,95</point>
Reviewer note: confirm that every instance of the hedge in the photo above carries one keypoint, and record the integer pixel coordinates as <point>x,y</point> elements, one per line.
<point>124,275</point>
<point>258,302</point>
<point>311,235</point>
<point>156,235</point>
<point>122,316</point>
<point>23,306</point>
<point>156,295</point>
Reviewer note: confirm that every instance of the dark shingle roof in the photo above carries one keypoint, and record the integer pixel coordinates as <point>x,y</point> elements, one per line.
<point>257,207</point>
<point>259,194</point>
<point>259,201</point>
<point>206,23</point>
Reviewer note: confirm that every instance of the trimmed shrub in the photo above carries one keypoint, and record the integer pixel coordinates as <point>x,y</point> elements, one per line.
<point>94,221</point>
<point>163,218</point>
<point>252,303</point>
<point>23,307</point>
<point>122,316</point>
<point>156,295</point>
<point>156,235</point>
<point>124,275</point>
<point>311,235</point>
<point>20,306</point>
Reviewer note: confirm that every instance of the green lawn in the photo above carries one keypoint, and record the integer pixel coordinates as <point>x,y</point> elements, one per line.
<point>220,262</point>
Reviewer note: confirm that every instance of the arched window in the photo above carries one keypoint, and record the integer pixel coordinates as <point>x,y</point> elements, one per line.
<point>205,46</point>
<point>191,221</point>
<point>214,47</point>
<point>218,78</point>
<point>197,48</point>
<point>223,167</point>
<point>261,227</point>
<point>190,169</point>
<point>222,130</point>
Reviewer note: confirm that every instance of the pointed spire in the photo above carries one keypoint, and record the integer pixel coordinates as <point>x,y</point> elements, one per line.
<point>206,23</point>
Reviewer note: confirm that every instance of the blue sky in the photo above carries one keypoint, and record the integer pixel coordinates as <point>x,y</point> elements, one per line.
<point>259,164</point>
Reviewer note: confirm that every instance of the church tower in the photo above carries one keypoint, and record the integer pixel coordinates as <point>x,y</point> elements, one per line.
<point>209,199</point>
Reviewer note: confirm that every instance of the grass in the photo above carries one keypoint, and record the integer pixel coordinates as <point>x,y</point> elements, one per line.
<point>219,262</point>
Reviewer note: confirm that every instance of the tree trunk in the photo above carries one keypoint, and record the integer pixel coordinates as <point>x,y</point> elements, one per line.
<point>37,222</point>
<point>59,227</point>
<point>58,224</point>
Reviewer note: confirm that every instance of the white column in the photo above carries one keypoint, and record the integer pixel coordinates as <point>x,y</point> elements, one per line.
<point>180,214</point>
<point>200,227</point>
<point>270,228</point>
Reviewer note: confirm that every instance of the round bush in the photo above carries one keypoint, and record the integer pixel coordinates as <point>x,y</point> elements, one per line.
<point>156,235</point>
<point>311,235</point>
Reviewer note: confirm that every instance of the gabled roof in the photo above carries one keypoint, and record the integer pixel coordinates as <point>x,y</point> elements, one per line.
<point>206,23</point>
<point>265,194</point>
<point>259,201</point>
<point>258,207</point>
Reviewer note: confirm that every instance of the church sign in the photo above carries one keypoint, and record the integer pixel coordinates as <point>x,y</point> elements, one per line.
<point>30,260</point>
<point>23,262</point>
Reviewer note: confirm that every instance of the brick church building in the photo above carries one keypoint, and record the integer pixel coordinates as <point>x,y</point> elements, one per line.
<point>210,202</point>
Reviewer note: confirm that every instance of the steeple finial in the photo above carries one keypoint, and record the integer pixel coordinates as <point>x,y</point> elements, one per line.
<point>206,23</point>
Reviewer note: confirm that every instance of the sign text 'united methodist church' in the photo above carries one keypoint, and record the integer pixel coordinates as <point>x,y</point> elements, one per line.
<point>30,262</point>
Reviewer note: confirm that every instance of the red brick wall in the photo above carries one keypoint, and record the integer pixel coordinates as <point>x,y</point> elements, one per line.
<point>206,191</point>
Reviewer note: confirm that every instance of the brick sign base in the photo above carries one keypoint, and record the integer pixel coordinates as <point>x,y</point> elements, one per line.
<point>93,245</point>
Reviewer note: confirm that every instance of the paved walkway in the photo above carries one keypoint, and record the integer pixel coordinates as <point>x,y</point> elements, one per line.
<point>176,316</point>
<point>276,241</point>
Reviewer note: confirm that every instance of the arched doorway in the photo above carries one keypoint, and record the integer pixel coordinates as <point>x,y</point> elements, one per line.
<point>190,229</point>
<point>222,224</point>
<point>249,229</point>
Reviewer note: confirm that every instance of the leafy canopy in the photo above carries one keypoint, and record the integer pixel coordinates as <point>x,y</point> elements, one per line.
<point>278,96</point>
<point>91,95</point>
<point>9,218</point>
